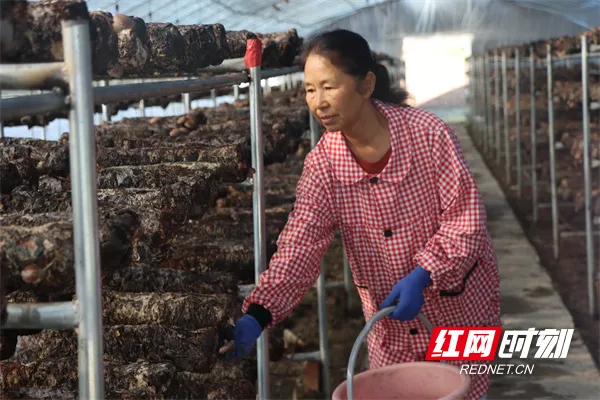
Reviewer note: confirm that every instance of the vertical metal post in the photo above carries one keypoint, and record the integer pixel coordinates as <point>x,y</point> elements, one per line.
<point>1,122</point>
<point>142,104</point>
<point>283,84</point>
<point>532,123</point>
<point>518,120</point>
<point>348,281</point>
<point>236,92</point>
<point>258,203</point>
<point>106,114</point>
<point>483,102</point>
<point>507,160</point>
<point>553,193</point>
<point>587,172</point>
<point>213,96</point>
<point>82,148</point>
<point>186,102</point>
<point>472,101</point>
<point>488,105</point>
<point>321,295</point>
<point>497,98</point>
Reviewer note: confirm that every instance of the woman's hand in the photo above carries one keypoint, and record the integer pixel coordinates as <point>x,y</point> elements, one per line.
<point>410,292</point>
<point>246,331</point>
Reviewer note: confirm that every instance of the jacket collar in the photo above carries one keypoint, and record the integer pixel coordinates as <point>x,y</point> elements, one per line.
<point>347,170</point>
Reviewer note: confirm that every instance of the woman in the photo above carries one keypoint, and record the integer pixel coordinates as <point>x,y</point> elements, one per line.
<point>393,180</point>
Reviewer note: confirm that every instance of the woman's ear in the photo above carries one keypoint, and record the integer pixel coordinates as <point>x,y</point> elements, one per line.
<point>369,84</point>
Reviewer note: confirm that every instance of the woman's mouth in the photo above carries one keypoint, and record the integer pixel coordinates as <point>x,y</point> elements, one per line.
<point>328,119</point>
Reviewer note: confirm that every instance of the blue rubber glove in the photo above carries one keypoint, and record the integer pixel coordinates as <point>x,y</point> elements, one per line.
<point>410,291</point>
<point>246,331</point>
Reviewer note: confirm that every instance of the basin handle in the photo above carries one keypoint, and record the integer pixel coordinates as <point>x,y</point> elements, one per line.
<point>356,347</point>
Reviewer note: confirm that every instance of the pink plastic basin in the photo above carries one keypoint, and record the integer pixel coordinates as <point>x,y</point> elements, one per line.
<point>413,380</point>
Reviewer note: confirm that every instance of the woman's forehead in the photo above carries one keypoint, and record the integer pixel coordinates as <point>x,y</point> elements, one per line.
<point>319,68</point>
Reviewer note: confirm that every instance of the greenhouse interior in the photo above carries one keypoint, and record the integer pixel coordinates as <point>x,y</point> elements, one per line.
<point>155,179</point>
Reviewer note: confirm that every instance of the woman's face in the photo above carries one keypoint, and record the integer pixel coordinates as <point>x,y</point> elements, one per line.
<point>332,95</point>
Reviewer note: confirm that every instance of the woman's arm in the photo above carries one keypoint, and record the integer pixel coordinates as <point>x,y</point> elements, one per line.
<point>296,265</point>
<point>453,250</point>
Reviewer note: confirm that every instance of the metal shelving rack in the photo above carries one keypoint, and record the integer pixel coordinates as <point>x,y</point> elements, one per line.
<point>85,313</point>
<point>488,134</point>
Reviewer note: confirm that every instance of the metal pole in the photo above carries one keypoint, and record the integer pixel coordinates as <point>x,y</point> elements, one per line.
<point>106,114</point>
<point>186,102</point>
<point>488,106</point>
<point>348,282</point>
<point>482,100</point>
<point>555,237</point>
<point>507,163</point>
<point>16,107</point>
<point>236,92</point>
<point>33,76</point>
<point>587,172</point>
<point>213,96</point>
<point>142,103</point>
<point>1,130</point>
<point>472,102</point>
<point>532,123</point>
<point>82,148</point>
<point>258,203</point>
<point>136,91</point>
<point>518,119</point>
<point>321,295</point>
<point>497,98</point>
<point>62,315</point>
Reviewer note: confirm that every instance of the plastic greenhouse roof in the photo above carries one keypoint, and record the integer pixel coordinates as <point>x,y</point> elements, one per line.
<point>308,16</point>
<point>254,15</point>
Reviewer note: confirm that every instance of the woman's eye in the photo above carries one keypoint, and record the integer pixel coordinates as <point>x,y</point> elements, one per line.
<point>310,90</point>
<point>328,88</point>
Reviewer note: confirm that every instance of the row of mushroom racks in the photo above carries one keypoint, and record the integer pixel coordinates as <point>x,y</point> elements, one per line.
<point>85,314</point>
<point>510,134</point>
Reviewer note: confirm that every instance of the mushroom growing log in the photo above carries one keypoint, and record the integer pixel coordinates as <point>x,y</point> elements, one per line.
<point>161,280</point>
<point>58,377</point>
<point>170,309</point>
<point>188,350</point>
<point>157,175</point>
<point>37,250</point>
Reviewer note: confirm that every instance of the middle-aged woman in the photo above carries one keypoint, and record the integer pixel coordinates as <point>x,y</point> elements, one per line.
<point>393,180</point>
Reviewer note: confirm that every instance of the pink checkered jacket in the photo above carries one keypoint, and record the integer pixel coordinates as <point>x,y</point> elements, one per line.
<point>424,209</point>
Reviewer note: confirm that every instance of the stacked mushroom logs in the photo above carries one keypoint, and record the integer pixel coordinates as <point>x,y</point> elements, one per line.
<point>568,124</point>
<point>127,46</point>
<point>176,240</point>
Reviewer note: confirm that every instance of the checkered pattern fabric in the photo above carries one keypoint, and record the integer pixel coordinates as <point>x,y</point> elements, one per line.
<point>423,208</point>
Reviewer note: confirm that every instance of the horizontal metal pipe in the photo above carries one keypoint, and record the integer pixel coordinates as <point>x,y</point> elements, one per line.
<point>306,356</point>
<point>577,233</point>
<point>62,315</point>
<point>138,91</point>
<point>16,107</point>
<point>247,288</point>
<point>33,76</point>
<point>270,73</point>
<point>576,58</point>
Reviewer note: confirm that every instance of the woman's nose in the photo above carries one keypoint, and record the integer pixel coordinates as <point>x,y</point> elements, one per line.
<point>321,100</point>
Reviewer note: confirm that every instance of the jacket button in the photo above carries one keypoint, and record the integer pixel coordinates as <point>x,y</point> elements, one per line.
<point>413,331</point>
<point>387,233</point>
<point>374,179</point>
